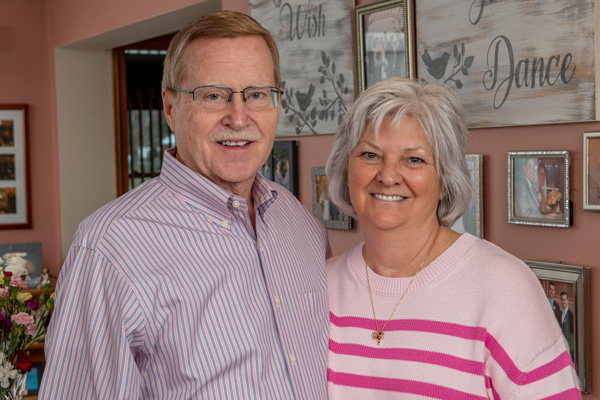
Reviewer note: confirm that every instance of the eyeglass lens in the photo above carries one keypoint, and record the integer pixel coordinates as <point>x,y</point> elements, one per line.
<point>256,97</point>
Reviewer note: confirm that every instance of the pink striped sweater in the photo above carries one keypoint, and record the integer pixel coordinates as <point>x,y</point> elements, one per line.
<point>474,325</point>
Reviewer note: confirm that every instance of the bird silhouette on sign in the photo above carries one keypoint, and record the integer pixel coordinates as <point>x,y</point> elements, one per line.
<point>304,99</point>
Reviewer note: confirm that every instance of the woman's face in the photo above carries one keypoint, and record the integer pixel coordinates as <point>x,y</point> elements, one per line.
<point>392,178</point>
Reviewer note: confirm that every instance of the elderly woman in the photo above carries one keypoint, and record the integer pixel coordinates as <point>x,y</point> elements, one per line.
<point>417,310</point>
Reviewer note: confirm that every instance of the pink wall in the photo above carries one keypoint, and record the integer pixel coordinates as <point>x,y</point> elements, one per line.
<point>26,77</point>
<point>29,31</point>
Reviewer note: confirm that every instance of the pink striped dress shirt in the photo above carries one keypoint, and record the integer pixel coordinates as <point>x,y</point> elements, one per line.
<point>474,325</point>
<point>169,293</point>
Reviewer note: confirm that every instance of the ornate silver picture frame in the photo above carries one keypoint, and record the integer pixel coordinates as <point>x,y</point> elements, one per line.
<point>538,188</point>
<point>385,41</point>
<point>569,287</point>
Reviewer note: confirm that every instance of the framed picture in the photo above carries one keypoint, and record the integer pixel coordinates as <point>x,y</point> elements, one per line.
<point>34,378</point>
<point>385,41</point>
<point>472,220</point>
<point>325,211</point>
<point>281,165</point>
<point>591,171</point>
<point>567,288</point>
<point>538,188</point>
<point>30,252</point>
<point>14,183</point>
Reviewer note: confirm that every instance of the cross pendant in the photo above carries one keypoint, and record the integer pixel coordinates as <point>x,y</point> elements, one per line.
<point>378,335</point>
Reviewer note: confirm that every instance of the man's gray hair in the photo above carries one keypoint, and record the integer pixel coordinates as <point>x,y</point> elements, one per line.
<point>440,115</point>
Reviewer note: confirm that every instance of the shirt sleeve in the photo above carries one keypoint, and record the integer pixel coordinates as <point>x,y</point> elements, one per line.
<point>95,343</point>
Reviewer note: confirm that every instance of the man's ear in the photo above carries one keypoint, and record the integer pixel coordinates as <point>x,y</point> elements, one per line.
<point>169,107</point>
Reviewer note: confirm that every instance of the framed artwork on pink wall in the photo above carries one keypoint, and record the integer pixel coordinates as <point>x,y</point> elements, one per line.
<point>567,288</point>
<point>591,171</point>
<point>14,183</point>
<point>538,188</point>
<point>384,38</point>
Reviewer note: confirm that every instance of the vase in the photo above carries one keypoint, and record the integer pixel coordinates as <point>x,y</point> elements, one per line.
<point>16,390</point>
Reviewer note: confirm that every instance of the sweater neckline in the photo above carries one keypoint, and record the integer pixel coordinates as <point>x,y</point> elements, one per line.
<point>396,286</point>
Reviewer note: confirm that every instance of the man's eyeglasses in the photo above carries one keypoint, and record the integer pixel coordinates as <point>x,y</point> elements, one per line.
<point>216,98</point>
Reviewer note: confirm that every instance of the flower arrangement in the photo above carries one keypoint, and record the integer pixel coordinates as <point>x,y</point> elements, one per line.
<point>553,198</point>
<point>23,321</point>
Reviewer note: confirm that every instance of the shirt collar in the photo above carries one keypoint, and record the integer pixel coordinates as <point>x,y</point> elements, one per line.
<point>205,195</point>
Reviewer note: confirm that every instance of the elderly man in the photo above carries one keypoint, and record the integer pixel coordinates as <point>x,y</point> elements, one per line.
<point>526,196</point>
<point>207,282</point>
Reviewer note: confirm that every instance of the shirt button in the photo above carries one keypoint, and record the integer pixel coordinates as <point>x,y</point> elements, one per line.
<point>235,204</point>
<point>260,245</point>
<point>224,224</point>
<point>277,301</point>
<point>293,358</point>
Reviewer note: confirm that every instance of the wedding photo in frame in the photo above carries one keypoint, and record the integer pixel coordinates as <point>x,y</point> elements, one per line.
<point>567,288</point>
<point>538,188</point>
<point>385,41</point>
<point>14,185</point>
<point>472,219</point>
<point>325,211</point>
<point>591,171</point>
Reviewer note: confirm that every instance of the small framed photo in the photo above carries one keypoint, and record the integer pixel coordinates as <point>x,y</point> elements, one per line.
<point>472,220</point>
<point>591,171</point>
<point>281,166</point>
<point>325,211</point>
<point>30,252</point>
<point>538,188</point>
<point>34,378</point>
<point>385,41</point>
<point>567,288</point>
<point>14,184</point>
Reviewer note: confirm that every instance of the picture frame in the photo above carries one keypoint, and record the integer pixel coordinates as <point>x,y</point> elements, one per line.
<point>326,212</point>
<point>535,202</point>
<point>15,209</point>
<point>34,378</point>
<point>31,252</point>
<point>472,219</point>
<point>591,171</point>
<point>384,41</point>
<point>281,166</point>
<point>574,281</point>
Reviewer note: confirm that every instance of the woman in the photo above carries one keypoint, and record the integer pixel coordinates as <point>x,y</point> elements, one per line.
<point>417,310</point>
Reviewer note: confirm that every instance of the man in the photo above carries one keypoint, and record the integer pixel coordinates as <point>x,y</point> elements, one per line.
<point>567,322</point>
<point>207,282</point>
<point>527,202</point>
<point>555,307</point>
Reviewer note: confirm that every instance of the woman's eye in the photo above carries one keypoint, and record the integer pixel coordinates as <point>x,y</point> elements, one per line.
<point>369,156</point>
<point>416,160</point>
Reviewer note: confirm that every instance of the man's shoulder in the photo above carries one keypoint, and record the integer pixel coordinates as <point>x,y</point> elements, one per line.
<point>96,224</point>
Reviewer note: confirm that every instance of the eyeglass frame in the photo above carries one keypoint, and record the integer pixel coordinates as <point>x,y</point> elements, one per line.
<point>230,99</point>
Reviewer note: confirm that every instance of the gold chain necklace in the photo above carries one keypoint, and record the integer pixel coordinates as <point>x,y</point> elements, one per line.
<point>378,334</point>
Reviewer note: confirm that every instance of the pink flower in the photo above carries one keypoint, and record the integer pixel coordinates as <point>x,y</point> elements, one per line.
<point>18,282</point>
<point>3,291</point>
<point>23,318</point>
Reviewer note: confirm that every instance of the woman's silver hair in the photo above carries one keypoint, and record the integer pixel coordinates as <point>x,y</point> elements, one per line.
<point>440,115</point>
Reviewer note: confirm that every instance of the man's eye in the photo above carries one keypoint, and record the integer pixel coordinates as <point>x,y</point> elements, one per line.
<point>213,96</point>
<point>256,94</point>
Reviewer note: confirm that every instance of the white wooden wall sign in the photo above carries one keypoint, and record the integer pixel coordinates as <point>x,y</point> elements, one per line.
<point>512,62</point>
<point>314,38</point>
